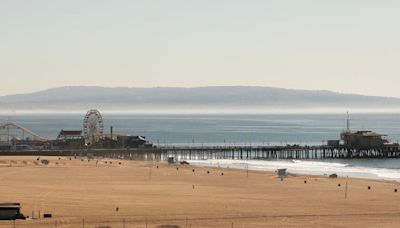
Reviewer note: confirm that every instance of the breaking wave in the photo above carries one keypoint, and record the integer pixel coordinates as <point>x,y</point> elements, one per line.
<point>306,167</point>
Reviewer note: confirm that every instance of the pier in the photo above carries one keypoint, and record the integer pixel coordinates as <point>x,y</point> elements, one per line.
<point>224,152</point>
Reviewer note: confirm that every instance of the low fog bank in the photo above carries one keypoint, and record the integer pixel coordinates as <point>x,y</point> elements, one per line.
<point>228,111</point>
<point>223,99</point>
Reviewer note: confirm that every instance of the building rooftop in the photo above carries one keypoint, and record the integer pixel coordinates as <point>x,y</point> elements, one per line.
<point>10,205</point>
<point>71,132</point>
<point>368,134</point>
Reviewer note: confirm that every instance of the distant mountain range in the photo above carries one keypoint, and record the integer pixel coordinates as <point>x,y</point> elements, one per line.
<point>201,98</point>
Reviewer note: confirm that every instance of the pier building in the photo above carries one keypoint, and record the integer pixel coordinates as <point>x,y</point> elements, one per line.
<point>364,139</point>
<point>70,135</point>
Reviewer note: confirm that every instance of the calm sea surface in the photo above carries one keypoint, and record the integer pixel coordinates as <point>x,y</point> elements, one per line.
<point>189,130</point>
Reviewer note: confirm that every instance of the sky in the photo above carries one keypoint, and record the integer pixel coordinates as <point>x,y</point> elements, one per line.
<point>350,46</point>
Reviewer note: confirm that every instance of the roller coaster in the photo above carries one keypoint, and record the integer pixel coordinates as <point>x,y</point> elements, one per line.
<point>12,131</point>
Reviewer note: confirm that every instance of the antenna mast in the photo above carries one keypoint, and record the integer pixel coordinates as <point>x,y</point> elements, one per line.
<point>348,122</point>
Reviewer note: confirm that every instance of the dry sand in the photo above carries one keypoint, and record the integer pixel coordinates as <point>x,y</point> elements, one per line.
<point>81,193</point>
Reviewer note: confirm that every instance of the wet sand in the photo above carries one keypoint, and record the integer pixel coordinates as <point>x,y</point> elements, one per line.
<point>82,193</point>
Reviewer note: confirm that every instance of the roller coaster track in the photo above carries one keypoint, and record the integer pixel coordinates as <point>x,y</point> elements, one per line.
<point>14,126</point>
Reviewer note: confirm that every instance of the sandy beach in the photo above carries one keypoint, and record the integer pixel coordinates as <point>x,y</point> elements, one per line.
<point>116,193</point>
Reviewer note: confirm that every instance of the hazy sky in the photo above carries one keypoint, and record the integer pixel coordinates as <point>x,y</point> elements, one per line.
<point>341,45</point>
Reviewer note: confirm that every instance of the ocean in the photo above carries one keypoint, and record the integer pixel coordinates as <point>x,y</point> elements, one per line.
<point>235,129</point>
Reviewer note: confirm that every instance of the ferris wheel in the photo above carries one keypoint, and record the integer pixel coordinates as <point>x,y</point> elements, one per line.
<point>93,127</point>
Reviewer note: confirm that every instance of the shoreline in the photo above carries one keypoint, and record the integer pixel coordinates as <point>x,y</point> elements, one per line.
<point>307,167</point>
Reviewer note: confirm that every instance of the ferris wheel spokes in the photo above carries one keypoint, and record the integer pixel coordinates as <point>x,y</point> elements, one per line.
<point>93,127</point>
